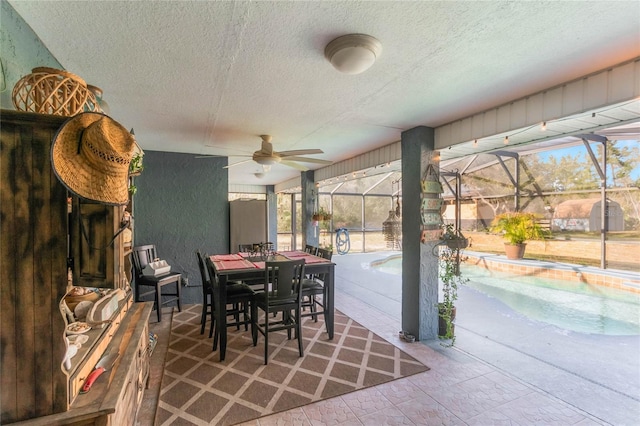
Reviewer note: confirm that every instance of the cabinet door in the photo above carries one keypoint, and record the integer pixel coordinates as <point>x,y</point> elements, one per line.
<point>93,247</point>
<point>33,277</point>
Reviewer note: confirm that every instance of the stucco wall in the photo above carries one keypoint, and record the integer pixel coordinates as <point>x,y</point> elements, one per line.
<point>181,205</point>
<point>20,51</point>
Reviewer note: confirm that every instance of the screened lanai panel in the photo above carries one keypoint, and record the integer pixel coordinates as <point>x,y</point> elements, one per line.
<point>284,213</point>
<point>375,184</point>
<point>385,184</point>
<point>568,169</point>
<point>353,186</point>
<point>329,186</point>
<point>324,202</point>
<point>377,210</point>
<point>489,181</point>
<point>347,211</point>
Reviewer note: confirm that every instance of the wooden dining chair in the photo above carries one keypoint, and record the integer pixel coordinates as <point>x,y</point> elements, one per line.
<point>311,249</point>
<point>313,287</point>
<point>208,300</point>
<point>207,295</point>
<point>282,294</point>
<point>142,256</point>
<point>240,301</point>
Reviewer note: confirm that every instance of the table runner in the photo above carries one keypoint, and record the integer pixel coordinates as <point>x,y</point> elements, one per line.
<point>219,257</point>
<point>293,253</point>
<point>233,264</point>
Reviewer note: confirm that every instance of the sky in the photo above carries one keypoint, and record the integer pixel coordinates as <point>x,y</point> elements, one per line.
<point>582,151</point>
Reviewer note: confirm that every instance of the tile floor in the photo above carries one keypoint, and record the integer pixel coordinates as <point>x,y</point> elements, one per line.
<point>458,390</point>
<point>481,381</point>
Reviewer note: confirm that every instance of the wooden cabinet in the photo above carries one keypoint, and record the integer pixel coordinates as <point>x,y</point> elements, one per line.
<point>33,269</point>
<point>98,259</point>
<point>38,235</point>
<point>92,251</point>
<point>115,397</point>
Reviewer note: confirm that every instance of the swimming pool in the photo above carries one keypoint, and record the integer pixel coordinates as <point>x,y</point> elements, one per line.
<point>570,305</point>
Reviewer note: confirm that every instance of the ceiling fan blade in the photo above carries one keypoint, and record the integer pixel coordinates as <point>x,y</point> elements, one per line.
<point>299,152</point>
<point>294,165</point>
<point>308,160</point>
<point>238,163</point>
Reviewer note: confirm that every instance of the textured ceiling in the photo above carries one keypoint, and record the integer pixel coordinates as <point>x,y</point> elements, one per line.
<point>210,77</point>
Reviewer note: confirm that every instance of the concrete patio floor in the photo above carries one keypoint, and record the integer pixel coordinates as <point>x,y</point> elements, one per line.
<point>596,374</point>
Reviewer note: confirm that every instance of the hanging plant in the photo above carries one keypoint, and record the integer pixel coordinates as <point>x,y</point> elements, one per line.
<point>321,215</point>
<point>453,238</point>
<point>135,166</point>
<point>449,273</point>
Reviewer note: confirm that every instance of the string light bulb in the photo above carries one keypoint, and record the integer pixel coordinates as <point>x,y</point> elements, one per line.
<point>506,140</point>
<point>544,126</point>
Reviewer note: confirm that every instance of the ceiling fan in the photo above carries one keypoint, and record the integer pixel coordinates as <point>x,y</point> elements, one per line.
<point>266,156</point>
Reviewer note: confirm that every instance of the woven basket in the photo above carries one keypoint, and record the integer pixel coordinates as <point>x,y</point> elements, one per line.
<point>53,91</point>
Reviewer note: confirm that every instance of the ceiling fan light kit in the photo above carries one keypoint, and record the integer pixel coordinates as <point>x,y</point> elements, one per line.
<point>353,53</point>
<point>266,161</point>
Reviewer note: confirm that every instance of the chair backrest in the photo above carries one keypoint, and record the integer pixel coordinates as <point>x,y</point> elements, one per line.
<point>310,249</point>
<point>213,278</point>
<point>142,256</point>
<point>324,253</point>
<point>283,279</point>
<point>204,275</point>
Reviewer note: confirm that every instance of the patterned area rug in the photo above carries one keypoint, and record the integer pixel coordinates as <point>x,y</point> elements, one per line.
<point>198,389</point>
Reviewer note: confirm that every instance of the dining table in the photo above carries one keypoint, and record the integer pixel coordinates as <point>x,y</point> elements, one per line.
<point>250,268</point>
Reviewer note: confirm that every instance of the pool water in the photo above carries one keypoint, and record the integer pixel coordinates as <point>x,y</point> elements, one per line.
<point>570,305</point>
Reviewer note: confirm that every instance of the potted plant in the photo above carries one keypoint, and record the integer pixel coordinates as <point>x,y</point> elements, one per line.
<point>135,166</point>
<point>321,215</point>
<point>451,278</point>
<point>517,228</point>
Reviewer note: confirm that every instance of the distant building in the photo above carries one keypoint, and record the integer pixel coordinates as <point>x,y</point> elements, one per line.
<point>585,215</point>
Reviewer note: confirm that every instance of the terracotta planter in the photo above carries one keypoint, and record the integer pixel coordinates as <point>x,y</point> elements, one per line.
<point>514,251</point>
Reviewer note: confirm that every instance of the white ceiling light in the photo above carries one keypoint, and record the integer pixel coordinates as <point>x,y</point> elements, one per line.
<point>353,53</point>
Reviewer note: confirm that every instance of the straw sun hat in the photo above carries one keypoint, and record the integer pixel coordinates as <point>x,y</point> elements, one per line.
<point>90,155</point>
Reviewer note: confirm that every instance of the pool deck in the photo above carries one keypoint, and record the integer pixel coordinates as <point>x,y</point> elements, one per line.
<point>504,368</point>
